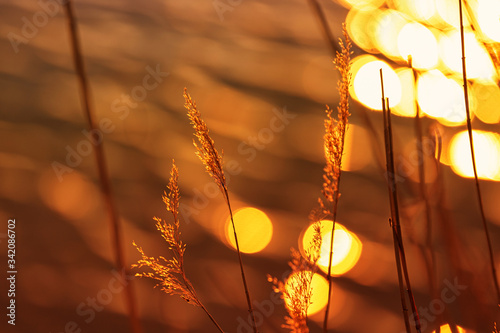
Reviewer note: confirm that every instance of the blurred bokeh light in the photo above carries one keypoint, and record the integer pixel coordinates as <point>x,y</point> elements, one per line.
<point>487,94</point>
<point>319,295</point>
<point>487,154</point>
<point>441,97</point>
<point>478,62</point>
<point>366,83</point>
<point>447,329</point>
<point>417,41</point>
<point>346,247</point>
<point>254,229</point>
<point>488,13</point>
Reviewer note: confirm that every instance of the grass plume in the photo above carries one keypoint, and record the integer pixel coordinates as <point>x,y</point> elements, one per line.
<point>297,289</point>
<point>101,162</point>
<point>334,138</point>
<point>210,157</point>
<point>170,273</point>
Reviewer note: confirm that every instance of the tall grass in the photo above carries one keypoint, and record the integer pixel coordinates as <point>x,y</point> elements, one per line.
<point>170,274</point>
<point>210,157</point>
<point>334,138</point>
<point>101,163</point>
<point>297,289</point>
<point>473,157</point>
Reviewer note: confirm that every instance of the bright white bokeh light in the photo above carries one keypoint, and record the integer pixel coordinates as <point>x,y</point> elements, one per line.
<point>488,14</point>
<point>418,41</point>
<point>478,62</point>
<point>367,85</point>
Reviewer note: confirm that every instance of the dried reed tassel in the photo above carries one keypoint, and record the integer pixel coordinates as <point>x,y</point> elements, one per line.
<point>473,157</point>
<point>101,164</point>
<point>334,147</point>
<point>210,157</point>
<point>297,289</point>
<point>333,48</point>
<point>170,273</point>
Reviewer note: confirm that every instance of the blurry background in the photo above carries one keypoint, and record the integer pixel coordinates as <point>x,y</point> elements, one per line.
<point>261,74</point>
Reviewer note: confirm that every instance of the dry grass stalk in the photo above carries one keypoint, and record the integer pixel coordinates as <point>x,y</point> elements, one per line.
<point>332,46</point>
<point>170,273</point>
<point>210,157</point>
<point>101,163</point>
<point>297,289</point>
<point>473,157</point>
<point>325,28</point>
<point>334,147</point>
<point>394,221</point>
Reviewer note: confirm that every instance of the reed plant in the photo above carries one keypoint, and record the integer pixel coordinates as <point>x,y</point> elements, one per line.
<point>297,289</point>
<point>107,193</point>
<point>170,274</point>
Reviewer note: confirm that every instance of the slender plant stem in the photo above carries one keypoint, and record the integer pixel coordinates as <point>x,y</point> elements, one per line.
<point>101,164</point>
<point>397,223</point>
<point>391,184</point>
<point>247,293</point>
<point>325,28</point>
<point>394,203</point>
<point>211,318</point>
<point>330,257</point>
<point>473,157</point>
<point>332,46</point>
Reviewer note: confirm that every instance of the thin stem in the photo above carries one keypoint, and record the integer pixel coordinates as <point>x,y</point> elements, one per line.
<point>391,184</point>
<point>473,157</point>
<point>330,258</point>
<point>395,207</point>
<point>325,28</point>
<point>397,223</point>
<point>101,164</point>
<point>247,293</point>
<point>211,318</point>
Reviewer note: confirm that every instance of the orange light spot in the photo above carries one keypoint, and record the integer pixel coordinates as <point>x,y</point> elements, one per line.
<point>346,247</point>
<point>253,227</point>
<point>488,98</point>
<point>74,197</point>
<point>446,329</point>
<point>354,158</point>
